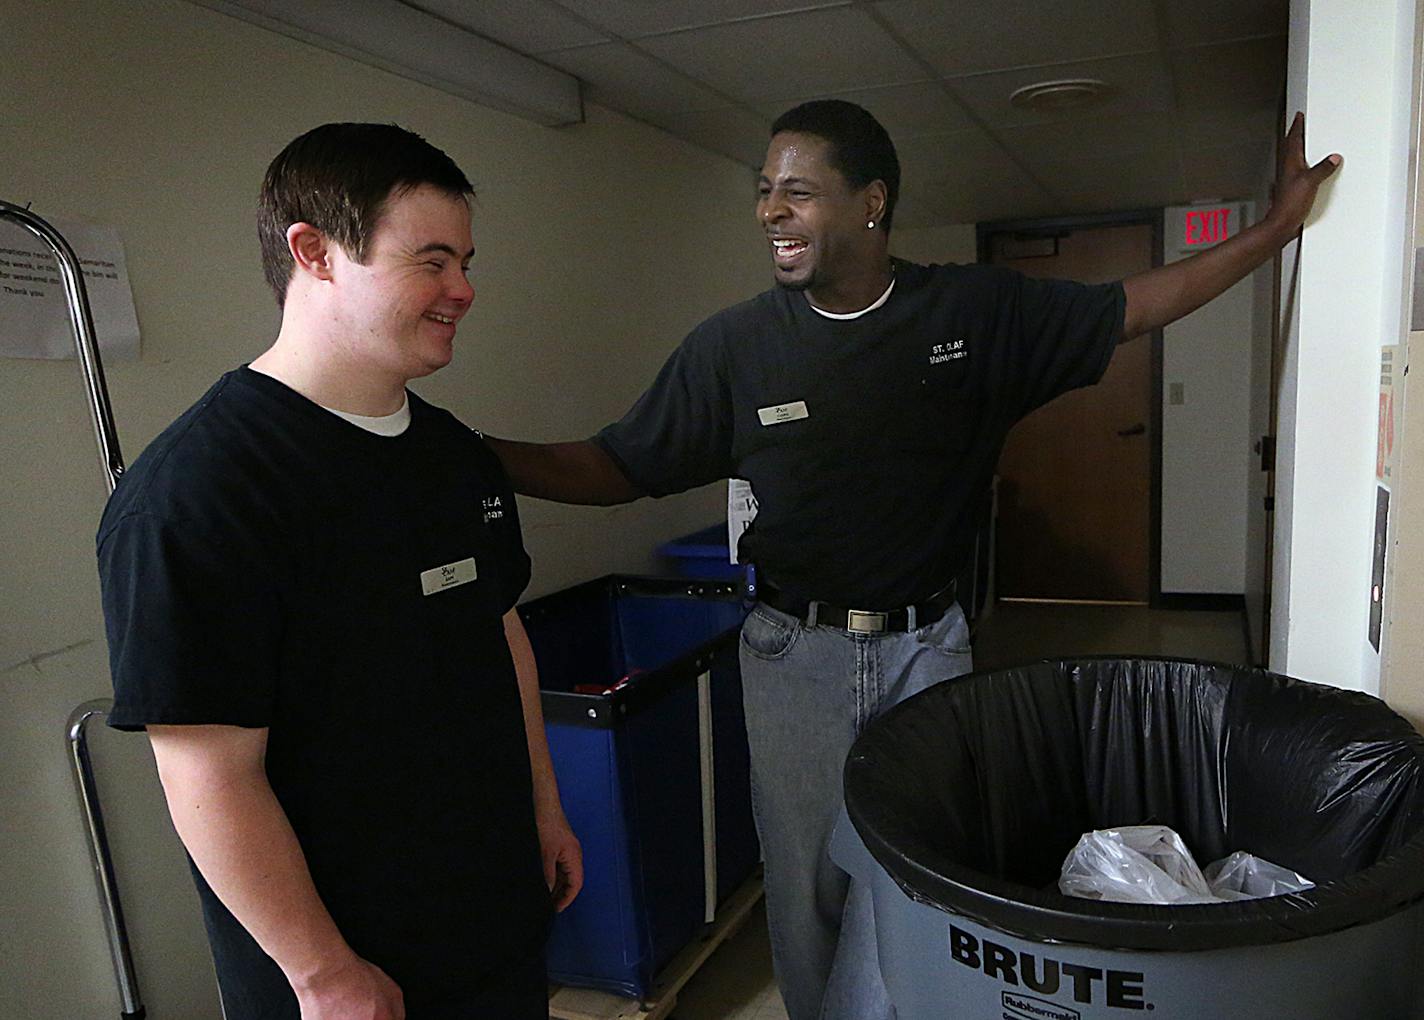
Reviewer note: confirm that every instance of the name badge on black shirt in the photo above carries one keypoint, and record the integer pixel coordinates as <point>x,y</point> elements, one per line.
<point>783,413</point>
<point>452,575</point>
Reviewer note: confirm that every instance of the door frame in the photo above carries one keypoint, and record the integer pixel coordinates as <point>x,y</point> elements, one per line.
<point>985,232</point>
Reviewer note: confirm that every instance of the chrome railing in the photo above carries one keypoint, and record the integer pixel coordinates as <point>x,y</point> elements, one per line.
<point>131,1004</point>
<point>82,321</point>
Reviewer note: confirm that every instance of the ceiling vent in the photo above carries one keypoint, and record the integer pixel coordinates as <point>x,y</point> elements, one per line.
<point>1058,96</point>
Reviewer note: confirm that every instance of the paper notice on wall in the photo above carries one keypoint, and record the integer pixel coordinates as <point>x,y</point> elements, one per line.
<point>741,509</point>
<point>35,321</point>
<point>1391,362</point>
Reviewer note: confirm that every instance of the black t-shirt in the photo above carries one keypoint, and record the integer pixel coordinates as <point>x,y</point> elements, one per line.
<point>868,442</point>
<point>265,564</point>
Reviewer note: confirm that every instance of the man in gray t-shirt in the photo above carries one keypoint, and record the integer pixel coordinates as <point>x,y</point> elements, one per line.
<point>866,401</point>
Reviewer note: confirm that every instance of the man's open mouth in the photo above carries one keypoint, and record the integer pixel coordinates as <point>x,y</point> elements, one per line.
<point>787,249</point>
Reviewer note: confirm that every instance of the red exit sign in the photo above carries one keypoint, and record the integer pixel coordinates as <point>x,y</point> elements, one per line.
<point>1206,226</point>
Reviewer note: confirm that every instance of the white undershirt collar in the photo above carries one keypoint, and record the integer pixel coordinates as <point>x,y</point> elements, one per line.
<point>855,315</point>
<point>380,424</point>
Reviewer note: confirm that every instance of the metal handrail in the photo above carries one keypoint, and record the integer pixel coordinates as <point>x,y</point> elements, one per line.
<point>84,337</point>
<point>131,1004</point>
<point>112,462</point>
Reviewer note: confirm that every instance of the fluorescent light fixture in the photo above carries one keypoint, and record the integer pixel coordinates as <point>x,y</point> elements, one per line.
<point>408,42</point>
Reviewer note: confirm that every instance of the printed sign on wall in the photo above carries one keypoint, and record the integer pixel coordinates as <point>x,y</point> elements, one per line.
<point>1390,356</point>
<point>35,321</point>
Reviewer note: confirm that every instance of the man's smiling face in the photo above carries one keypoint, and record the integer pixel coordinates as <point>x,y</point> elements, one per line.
<point>814,220</point>
<point>401,306</point>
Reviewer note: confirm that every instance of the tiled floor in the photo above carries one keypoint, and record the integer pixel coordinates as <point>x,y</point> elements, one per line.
<point>736,983</point>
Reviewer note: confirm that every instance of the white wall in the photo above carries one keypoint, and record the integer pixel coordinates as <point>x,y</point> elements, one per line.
<point>1350,70</point>
<point>597,248</point>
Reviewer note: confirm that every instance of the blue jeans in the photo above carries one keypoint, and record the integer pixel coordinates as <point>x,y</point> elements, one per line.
<point>809,691</point>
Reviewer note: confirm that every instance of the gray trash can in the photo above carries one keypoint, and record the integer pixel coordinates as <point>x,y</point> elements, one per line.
<point>964,800</point>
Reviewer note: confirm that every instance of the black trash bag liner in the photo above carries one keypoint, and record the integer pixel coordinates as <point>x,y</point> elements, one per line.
<point>972,793</point>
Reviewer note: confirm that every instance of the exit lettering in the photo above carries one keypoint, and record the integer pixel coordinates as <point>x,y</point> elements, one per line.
<point>1206,226</point>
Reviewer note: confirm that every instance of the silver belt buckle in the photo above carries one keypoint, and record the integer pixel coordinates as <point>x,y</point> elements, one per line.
<point>866,623</point>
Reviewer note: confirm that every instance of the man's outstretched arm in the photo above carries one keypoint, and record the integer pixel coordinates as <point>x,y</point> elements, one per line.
<point>1167,293</point>
<point>578,472</point>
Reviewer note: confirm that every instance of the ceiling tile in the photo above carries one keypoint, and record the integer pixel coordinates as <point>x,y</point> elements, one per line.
<point>634,18</point>
<point>964,176</point>
<point>944,156</point>
<point>1146,180</point>
<point>1216,129</point>
<point>1208,21</point>
<point>1225,76</point>
<point>1092,137</point>
<point>1139,84</point>
<point>793,55</point>
<point>624,79</point>
<point>962,38</point>
<point>733,133</point>
<point>1227,173</point>
<point>529,27</point>
<point>993,197</point>
<point>1191,115</point>
<point>903,110</point>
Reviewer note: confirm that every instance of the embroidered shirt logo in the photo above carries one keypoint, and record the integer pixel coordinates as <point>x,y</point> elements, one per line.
<point>952,351</point>
<point>493,507</point>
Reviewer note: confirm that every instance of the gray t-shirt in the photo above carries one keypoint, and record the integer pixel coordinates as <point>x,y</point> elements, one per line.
<point>869,442</point>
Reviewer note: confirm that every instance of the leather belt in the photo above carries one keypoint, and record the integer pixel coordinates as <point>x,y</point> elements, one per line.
<point>860,621</point>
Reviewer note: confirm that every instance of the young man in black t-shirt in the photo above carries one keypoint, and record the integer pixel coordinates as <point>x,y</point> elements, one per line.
<point>866,401</point>
<point>309,583</point>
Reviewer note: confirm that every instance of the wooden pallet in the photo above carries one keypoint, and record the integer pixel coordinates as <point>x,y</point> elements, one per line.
<point>584,1004</point>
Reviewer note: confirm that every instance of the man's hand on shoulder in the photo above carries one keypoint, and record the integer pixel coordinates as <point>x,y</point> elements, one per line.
<point>352,990</point>
<point>579,472</point>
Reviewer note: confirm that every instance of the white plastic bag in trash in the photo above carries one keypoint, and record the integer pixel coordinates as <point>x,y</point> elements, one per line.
<point>1151,864</point>
<point>1134,864</point>
<point>1244,877</point>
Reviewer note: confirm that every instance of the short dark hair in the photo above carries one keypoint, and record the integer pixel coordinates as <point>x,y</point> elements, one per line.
<point>860,148</point>
<point>337,177</point>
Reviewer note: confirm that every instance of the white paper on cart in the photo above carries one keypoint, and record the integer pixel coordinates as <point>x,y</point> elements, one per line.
<point>741,511</point>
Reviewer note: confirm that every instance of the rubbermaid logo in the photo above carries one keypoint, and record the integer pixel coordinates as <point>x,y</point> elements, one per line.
<point>1028,1007</point>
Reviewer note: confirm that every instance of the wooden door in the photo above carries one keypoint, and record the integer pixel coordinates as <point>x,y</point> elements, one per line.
<point>1075,488</point>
